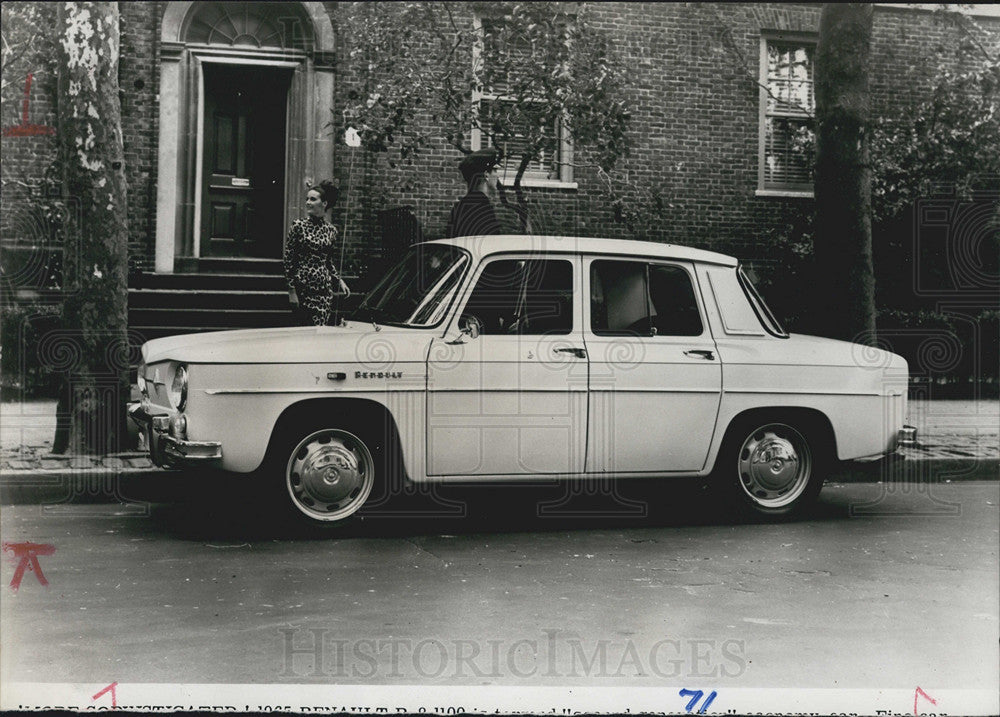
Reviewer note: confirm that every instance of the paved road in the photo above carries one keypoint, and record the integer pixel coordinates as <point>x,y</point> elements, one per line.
<point>879,588</point>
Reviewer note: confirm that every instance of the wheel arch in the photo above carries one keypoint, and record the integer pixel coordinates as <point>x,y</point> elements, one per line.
<point>816,424</point>
<point>360,414</point>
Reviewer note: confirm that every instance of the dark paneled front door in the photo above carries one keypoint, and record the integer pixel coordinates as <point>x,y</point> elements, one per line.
<point>244,160</point>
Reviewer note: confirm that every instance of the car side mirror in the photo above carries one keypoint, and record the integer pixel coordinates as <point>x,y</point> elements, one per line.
<point>470,325</point>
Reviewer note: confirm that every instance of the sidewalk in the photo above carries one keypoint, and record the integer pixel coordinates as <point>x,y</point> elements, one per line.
<point>958,440</point>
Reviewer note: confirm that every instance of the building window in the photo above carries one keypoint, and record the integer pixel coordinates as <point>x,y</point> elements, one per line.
<point>252,25</point>
<point>504,101</point>
<point>787,110</point>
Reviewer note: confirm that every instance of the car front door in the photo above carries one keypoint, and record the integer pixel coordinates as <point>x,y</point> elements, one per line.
<point>655,374</point>
<point>510,398</point>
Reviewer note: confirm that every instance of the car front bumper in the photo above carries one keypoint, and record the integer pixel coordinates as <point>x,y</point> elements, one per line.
<point>166,450</point>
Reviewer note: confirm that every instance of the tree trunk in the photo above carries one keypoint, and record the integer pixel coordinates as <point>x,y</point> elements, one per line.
<point>843,236</point>
<point>520,204</point>
<point>93,338</point>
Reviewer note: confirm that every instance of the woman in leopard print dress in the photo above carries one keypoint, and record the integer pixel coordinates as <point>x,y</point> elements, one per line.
<point>309,252</point>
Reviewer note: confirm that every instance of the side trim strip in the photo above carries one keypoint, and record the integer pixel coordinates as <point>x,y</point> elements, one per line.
<point>330,391</point>
<point>553,477</point>
<point>712,391</point>
<point>802,392</point>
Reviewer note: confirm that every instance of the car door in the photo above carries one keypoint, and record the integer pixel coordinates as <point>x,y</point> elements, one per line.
<point>511,401</point>
<point>655,374</point>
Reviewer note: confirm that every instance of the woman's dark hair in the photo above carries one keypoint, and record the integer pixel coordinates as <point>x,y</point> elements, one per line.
<point>328,192</point>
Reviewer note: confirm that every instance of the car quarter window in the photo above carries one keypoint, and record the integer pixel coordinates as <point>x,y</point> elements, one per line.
<point>523,296</point>
<point>638,298</point>
<point>738,317</point>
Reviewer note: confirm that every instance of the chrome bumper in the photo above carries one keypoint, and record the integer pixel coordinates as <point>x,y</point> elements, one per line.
<point>907,436</point>
<point>165,450</point>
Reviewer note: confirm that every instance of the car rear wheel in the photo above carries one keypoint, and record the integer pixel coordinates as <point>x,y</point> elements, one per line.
<point>770,467</point>
<point>329,474</point>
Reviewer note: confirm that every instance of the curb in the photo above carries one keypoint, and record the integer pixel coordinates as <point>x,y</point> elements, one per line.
<point>899,469</point>
<point>123,484</point>
<point>99,485</point>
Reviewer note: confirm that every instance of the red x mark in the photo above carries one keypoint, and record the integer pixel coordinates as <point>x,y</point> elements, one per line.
<point>920,693</point>
<point>24,129</point>
<point>110,688</point>
<point>27,556</point>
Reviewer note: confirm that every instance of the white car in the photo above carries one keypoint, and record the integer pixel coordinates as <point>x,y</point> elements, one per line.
<point>498,358</point>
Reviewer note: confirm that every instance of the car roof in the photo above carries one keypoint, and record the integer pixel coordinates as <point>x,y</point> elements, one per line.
<point>485,245</point>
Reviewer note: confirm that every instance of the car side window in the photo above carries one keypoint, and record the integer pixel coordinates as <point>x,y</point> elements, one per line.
<point>524,297</point>
<point>640,299</point>
<point>619,302</point>
<point>675,308</point>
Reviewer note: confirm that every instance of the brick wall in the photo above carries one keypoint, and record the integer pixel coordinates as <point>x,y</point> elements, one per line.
<point>138,79</point>
<point>693,69</point>
<point>26,158</point>
<point>27,148</point>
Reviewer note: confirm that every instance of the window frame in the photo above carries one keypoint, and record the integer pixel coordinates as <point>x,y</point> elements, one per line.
<point>764,314</point>
<point>507,172</point>
<point>764,188</point>
<point>528,258</point>
<point>648,264</point>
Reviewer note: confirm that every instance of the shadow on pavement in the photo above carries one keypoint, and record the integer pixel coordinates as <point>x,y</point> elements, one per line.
<point>225,508</point>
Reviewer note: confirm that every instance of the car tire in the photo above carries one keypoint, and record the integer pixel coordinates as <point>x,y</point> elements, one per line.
<point>771,468</point>
<point>325,474</point>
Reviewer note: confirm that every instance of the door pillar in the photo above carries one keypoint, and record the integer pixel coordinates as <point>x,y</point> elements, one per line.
<point>168,168</point>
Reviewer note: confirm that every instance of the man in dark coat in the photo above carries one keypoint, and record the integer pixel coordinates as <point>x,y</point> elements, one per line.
<point>474,213</point>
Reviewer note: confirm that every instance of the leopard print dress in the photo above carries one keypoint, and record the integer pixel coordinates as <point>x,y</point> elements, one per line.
<point>309,266</point>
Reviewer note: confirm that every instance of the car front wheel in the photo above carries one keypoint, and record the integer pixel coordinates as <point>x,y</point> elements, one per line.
<point>770,468</point>
<point>329,474</point>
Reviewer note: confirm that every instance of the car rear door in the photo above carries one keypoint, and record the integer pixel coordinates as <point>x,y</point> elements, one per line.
<point>655,375</point>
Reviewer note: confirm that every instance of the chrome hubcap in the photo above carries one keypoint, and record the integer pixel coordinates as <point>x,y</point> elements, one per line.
<point>330,474</point>
<point>774,465</point>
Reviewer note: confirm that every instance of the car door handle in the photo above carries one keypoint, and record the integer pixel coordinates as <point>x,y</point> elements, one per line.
<point>579,353</point>
<point>701,353</point>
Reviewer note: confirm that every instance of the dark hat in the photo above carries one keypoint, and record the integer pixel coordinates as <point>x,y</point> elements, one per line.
<point>479,162</point>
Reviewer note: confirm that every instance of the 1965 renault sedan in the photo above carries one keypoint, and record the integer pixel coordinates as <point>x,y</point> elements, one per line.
<point>500,358</point>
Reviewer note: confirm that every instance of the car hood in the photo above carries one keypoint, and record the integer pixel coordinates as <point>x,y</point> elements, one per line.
<point>354,341</point>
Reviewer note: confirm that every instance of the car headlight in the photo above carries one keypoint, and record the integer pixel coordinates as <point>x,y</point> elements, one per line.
<point>179,388</point>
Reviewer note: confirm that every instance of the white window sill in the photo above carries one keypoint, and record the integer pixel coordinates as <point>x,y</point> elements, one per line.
<point>801,193</point>
<point>540,183</point>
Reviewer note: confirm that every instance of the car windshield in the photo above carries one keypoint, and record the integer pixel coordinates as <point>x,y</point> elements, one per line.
<point>418,290</point>
<point>760,307</point>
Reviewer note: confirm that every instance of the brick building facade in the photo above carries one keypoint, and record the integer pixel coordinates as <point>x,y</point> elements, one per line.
<point>695,89</point>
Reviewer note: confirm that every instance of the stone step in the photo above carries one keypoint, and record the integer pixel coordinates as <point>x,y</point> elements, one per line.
<point>230,265</point>
<point>217,300</point>
<point>209,282</point>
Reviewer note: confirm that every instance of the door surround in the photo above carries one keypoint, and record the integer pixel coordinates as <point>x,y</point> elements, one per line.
<point>309,148</point>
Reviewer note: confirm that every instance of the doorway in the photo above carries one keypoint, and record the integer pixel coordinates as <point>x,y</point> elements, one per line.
<point>243,165</point>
